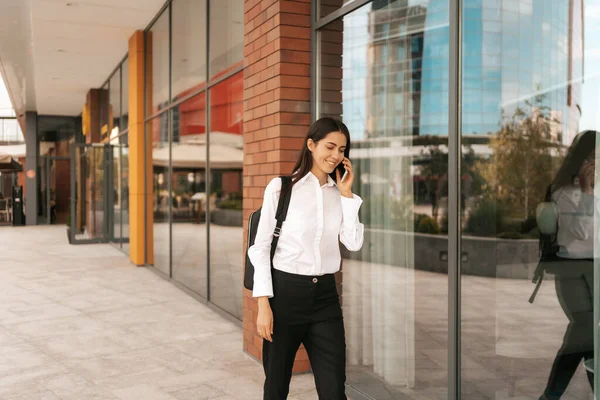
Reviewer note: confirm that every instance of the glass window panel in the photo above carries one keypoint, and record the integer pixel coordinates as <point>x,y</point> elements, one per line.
<point>189,47</point>
<point>157,132</point>
<point>115,104</point>
<point>394,292</point>
<point>157,65</point>
<point>104,111</point>
<point>120,182</point>
<point>125,95</point>
<point>533,143</point>
<point>124,191</point>
<point>226,36</point>
<point>189,189</point>
<point>226,155</point>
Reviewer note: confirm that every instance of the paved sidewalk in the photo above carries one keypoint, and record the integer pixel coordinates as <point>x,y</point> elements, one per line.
<point>80,322</point>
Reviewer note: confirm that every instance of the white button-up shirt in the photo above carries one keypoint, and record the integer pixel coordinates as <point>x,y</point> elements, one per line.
<point>308,243</point>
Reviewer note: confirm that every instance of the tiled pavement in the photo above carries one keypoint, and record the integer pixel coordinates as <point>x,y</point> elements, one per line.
<point>80,322</point>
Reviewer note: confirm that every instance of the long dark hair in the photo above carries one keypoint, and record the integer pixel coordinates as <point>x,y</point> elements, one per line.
<point>317,131</point>
<point>583,144</point>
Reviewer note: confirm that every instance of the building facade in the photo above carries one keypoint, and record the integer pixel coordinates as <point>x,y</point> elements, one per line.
<point>460,112</point>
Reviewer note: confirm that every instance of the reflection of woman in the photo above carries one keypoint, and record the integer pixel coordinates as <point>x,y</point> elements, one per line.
<point>572,191</point>
<point>297,296</point>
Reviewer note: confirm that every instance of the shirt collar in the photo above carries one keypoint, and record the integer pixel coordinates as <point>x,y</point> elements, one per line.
<point>330,182</point>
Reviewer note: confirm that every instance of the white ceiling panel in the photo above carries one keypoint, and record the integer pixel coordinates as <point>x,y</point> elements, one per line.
<point>53,51</point>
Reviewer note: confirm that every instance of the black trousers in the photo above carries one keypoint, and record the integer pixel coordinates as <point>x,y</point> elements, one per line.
<point>574,282</point>
<point>306,310</point>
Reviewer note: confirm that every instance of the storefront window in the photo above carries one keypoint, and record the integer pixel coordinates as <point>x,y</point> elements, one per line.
<point>225,198</point>
<point>188,219</point>
<point>105,115</point>
<point>528,149</point>
<point>114,104</point>
<point>157,65</point>
<point>395,290</point>
<point>124,122</point>
<point>528,185</point>
<point>189,47</point>
<point>226,36</point>
<point>157,131</point>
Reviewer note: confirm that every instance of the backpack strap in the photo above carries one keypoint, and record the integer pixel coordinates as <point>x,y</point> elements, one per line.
<point>538,279</point>
<point>282,208</point>
<point>548,196</point>
<point>538,275</point>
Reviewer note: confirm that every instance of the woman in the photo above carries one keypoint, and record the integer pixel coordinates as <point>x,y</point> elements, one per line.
<point>573,193</point>
<point>298,301</point>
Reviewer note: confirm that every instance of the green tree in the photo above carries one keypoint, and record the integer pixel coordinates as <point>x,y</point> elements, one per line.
<point>522,162</point>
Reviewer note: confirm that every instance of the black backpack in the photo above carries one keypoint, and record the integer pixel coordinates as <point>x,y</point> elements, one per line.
<point>282,209</point>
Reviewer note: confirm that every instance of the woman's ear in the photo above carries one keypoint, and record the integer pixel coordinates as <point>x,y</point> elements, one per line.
<point>310,144</point>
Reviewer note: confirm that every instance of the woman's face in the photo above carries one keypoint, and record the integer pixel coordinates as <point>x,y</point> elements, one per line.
<point>328,152</point>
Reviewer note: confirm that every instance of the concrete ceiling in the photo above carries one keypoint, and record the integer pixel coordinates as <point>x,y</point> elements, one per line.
<point>53,51</point>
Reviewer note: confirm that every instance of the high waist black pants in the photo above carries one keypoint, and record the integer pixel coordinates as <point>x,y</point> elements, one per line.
<point>574,282</point>
<point>306,310</point>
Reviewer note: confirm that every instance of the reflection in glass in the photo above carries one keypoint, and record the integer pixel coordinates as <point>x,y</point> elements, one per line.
<point>225,198</point>
<point>189,47</point>
<point>90,193</point>
<point>394,291</point>
<point>189,193</point>
<point>114,104</point>
<point>157,130</point>
<point>120,207</point>
<point>527,185</point>
<point>326,7</point>
<point>226,36</point>
<point>124,192</point>
<point>125,96</point>
<point>104,113</point>
<point>157,65</point>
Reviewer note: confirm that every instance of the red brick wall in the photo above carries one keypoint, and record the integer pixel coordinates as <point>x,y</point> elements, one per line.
<point>276,113</point>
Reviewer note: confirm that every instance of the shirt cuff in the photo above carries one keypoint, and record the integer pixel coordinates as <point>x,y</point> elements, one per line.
<point>262,289</point>
<point>350,207</point>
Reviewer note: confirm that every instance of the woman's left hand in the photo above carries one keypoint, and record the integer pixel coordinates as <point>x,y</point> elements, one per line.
<point>346,186</point>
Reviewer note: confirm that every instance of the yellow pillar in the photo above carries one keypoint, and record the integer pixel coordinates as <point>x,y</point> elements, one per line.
<point>141,220</point>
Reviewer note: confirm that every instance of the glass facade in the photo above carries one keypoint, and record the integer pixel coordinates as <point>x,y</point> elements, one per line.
<point>226,37</point>
<point>116,133</point>
<point>197,151</point>
<point>526,103</point>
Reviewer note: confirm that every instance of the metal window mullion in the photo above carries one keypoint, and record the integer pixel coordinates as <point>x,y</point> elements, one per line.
<point>314,61</point>
<point>170,137</point>
<point>207,164</point>
<point>454,226</point>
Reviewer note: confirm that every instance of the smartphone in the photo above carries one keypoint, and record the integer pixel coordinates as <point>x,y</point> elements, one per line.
<point>344,176</point>
<point>343,171</point>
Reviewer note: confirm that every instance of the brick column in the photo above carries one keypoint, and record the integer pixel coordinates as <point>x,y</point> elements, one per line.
<point>277,113</point>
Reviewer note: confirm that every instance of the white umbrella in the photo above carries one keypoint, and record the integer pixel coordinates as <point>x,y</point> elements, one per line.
<point>186,155</point>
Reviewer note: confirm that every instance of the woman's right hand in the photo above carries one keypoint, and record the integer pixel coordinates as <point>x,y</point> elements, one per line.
<point>264,321</point>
